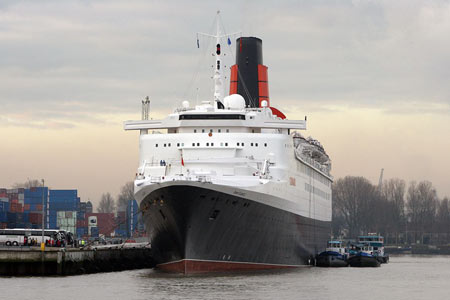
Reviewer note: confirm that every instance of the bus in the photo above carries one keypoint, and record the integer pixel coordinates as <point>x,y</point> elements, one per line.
<point>23,236</point>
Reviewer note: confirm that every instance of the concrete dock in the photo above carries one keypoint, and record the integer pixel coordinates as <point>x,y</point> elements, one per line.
<point>28,261</point>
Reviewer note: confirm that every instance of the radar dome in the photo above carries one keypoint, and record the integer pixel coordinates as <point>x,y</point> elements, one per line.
<point>235,102</point>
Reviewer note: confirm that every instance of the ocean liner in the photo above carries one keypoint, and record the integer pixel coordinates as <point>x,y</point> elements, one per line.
<point>230,184</point>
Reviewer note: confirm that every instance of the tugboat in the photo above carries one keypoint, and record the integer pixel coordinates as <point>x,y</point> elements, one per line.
<point>361,255</point>
<point>377,242</point>
<point>335,255</point>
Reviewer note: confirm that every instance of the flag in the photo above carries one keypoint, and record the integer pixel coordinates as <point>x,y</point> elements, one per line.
<point>182,161</point>
<point>229,41</point>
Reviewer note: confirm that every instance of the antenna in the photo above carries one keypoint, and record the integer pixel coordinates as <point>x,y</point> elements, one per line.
<point>380,181</point>
<point>145,108</point>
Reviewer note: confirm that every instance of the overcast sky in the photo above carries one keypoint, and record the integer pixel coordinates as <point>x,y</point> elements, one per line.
<point>373,77</point>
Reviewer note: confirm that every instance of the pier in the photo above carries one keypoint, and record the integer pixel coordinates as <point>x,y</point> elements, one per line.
<point>28,261</point>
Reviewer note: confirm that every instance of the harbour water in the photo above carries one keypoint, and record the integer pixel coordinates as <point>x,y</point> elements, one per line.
<point>405,277</point>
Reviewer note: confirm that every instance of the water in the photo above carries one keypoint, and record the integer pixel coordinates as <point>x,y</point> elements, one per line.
<point>405,277</point>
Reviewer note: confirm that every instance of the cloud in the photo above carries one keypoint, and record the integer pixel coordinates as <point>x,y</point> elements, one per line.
<point>104,56</point>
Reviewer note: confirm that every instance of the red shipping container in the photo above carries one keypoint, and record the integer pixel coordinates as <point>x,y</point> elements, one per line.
<point>105,222</point>
<point>35,218</point>
<point>3,225</point>
<point>82,223</point>
<point>15,201</point>
<point>26,207</point>
<point>15,207</point>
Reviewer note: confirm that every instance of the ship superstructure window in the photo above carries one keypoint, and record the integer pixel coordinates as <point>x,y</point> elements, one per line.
<point>265,144</point>
<point>195,130</point>
<point>243,145</point>
<point>169,144</point>
<point>238,144</point>
<point>256,144</point>
<point>193,144</point>
<point>212,117</point>
<point>165,145</point>
<point>156,145</point>
<point>212,144</point>
<point>228,130</point>
<point>178,144</point>
<point>203,130</point>
<point>198,144</point>
<point>211,130</point>
<point>207,144</point>
<point>251,144</point>
<point>226,144</point>
<point>219,130</point>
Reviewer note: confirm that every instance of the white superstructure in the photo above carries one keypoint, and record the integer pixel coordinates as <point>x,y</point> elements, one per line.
<point>246,148</point>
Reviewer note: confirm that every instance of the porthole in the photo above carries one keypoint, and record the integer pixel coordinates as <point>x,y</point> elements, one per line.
<point>207,144</point>
<point>212,144</point>
<point>226,144</point>
<point>178,144</point>
<point>193,144</point>
<point>238,144</point>
<point>198,144</point>
<point>169,144</point>
<point>256,144</point>
<point>251,144</point>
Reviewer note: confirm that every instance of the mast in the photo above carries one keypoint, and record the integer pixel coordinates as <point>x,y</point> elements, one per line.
<point>218,77</point>
<point>218,74</point>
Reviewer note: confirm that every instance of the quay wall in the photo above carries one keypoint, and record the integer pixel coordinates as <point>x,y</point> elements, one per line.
<point>27,262</point>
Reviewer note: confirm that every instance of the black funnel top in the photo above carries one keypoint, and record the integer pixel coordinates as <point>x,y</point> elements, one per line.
<point>248,57</point>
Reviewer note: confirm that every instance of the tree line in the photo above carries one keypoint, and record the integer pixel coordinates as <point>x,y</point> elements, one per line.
<point>402,213</point>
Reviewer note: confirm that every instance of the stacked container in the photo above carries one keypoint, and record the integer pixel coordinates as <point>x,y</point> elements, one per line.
<point>105,223</point>
<point>67,220</point>
<point>62,201</point>
<point>132,217</point>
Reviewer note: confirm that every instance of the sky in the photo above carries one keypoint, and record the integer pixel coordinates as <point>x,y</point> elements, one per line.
<point>373,78</point>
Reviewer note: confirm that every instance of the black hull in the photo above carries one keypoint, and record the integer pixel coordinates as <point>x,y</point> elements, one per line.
<point>195,229</point>
<point>363,261</point>
<point>330,261</point>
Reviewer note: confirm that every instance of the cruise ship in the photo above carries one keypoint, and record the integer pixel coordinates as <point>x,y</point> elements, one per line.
<point>230,184</point>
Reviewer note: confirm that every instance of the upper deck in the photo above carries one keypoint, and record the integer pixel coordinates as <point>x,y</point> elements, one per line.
<point>206,115</point>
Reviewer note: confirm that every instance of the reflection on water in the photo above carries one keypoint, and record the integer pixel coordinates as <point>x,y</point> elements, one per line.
<point>405,277</point>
